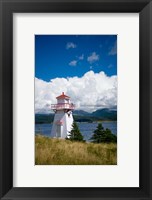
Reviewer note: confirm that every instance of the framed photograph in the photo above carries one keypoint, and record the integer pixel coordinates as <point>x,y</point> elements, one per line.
<point>75,99</point>
<point>86,118</point>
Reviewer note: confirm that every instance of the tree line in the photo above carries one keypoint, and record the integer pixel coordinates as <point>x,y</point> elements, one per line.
<point>100,135</point>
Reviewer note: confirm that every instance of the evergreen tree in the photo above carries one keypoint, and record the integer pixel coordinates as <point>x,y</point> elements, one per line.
<point>98,134</point>
<point>109,137</point>
<point>101,135</point>
<point>75,134</point>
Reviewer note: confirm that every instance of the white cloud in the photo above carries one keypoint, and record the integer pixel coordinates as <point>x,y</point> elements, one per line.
<point>81,57</point>
<point>110,66</point>
<point>113,50</point>
<point>93,57</point>
<point>73,63</point>
<point>70,45</point>
<point>89,92</point>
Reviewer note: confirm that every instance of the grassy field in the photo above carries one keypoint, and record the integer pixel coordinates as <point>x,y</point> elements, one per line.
<point>50,151</point>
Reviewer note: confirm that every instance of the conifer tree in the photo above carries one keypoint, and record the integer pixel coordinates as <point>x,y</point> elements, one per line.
<point>109,137</point>
<point>103,135</point>
<point>98,135</point>
<point>75,134</point>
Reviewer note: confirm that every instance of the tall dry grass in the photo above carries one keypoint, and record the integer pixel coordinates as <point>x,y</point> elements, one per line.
<point>50,151</point>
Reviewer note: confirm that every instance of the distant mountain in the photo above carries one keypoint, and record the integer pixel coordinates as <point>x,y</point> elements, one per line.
<point>105,114</point>
<point>81,113</point>
<point>101,114</point>
<point>81,116</point>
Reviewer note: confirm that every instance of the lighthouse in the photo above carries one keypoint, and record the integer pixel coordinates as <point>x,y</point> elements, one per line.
<point>63,118</point>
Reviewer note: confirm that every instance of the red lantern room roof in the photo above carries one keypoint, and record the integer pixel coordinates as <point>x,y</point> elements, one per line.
<point>63,96</point>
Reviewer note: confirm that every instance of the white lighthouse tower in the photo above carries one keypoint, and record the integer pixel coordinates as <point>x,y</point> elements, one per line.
<point>63,118</point>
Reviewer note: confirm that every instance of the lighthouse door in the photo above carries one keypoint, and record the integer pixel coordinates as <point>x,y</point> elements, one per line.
<point>58,130</point>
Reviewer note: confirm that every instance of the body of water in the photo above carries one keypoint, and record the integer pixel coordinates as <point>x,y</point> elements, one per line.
<point>85,128</point>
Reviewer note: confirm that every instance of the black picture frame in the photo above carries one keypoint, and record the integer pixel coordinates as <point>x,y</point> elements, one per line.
<point>7,8</point>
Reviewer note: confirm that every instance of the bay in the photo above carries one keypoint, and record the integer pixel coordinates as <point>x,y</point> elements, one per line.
<point>85,128</point>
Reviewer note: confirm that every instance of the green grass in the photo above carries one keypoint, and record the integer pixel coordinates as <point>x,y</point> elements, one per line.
<point>51,151</point>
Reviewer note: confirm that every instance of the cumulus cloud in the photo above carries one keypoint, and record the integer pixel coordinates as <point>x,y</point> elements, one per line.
<point>93,57</point>
<point>113,50</point>
<point>89,92</point>
<point>81,57</point>
<point>70,45</point>
<point>110,66</point>
<point>73,63</point>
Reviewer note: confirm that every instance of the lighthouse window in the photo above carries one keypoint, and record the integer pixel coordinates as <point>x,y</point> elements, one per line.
<point>58,130</point>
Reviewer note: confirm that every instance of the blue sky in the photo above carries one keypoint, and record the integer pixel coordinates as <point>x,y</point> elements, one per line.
<point>74,55</point>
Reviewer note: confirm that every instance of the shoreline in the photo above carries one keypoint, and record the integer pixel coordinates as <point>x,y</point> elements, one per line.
<point>100,121</point>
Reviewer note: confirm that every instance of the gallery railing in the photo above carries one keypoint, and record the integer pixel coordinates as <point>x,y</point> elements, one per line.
<point>61,106</point>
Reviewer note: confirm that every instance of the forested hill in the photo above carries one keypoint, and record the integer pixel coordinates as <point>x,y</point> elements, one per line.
<point>81,116</point>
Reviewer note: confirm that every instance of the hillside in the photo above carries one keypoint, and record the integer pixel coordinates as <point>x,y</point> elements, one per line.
<point>81,116</point>
<point>105,114</point>
<point>51,151</point>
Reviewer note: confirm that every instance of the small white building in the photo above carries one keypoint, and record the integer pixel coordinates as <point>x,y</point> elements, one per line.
<point>63,118</point>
